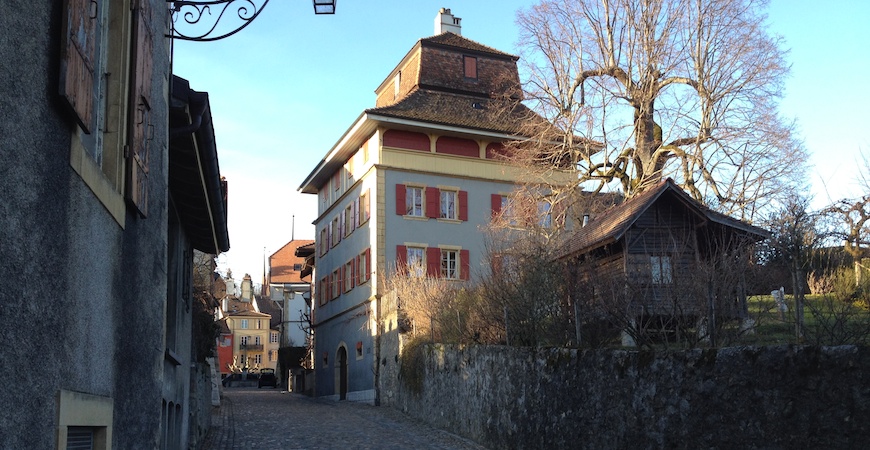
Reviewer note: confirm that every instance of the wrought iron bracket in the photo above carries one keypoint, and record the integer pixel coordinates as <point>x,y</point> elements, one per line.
<point>212,20</point>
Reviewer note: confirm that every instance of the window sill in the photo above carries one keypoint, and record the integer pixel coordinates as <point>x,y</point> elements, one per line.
<point>420,218</point>
<point>94,178</point>
<point>443,220</point>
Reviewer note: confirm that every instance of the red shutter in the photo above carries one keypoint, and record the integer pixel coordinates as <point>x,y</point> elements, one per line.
<point>369,263</point>
<point>464,264</point>
<point>356,216</point>
<point>463,206</point>
<point>140,115</point>
<point>401,258</point>
<point>433,203</point>
<point>81,26</point>
<point>401,207</point>
<point>367,206</point>
<point>495,201</point>
<point>433,262</point>
<point>496,264</point>
<point>353,270</point>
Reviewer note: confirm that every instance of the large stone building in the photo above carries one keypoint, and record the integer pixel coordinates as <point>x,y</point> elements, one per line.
<point>98,141</point>
<point>413,180</point>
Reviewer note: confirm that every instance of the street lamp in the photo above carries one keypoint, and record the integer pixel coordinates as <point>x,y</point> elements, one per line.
<point>211,20</point>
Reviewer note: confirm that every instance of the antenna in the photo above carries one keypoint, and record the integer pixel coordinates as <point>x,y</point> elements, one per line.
<point>293,228</point>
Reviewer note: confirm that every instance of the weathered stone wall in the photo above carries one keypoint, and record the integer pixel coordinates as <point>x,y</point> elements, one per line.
<point>748,397</point>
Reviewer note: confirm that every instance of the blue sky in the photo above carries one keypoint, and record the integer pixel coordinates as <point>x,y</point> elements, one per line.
<point>284,89</point>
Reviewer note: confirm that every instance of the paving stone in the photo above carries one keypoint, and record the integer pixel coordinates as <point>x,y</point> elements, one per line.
<point>251,418</point>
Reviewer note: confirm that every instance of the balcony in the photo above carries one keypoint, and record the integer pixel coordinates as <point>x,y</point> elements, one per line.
<point>251,347</point>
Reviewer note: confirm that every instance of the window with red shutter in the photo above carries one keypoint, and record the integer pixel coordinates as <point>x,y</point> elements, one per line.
<point>433,202</point>
<point>464,265</point>
<point>495,202</point>
<point>401,257</point>
<point>463,206</point>
<point>401,207</point>
<point>368,270</point>
<point>433,262</point>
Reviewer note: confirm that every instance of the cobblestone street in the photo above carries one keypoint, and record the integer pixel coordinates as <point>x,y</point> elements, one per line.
<point>251,418</point>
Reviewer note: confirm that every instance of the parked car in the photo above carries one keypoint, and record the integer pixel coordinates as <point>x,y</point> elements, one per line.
<point>267,378</point>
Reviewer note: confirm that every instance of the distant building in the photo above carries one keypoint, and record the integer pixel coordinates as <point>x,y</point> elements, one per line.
<point>412,181</point>
<point>291,291</point>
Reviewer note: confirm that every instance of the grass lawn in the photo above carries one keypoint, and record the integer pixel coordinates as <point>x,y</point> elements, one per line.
<point>827,321</point>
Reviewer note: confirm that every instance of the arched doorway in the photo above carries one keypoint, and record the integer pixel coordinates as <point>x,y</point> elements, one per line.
<point>342,373</point>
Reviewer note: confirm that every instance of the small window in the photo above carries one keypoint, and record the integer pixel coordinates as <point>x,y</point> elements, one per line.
<point>450,264</point>
<point>335,232</point>
<point>359,349</point>
<point>257,340</point>
<point>545,218</point>
<point>397,85</point>
<point>297,267</point>
<point>258,359</point>
<point>244,340</point>
<point>243,324</point>
<point>349,222</point>
<point>470,63</point>
<point>414,201</point>
<point>448,205</point>
<point>273,338</point>
<point>348,276</point>
<point>661,269</point>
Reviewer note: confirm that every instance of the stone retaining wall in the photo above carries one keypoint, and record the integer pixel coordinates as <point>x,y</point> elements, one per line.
<point>748,397</point>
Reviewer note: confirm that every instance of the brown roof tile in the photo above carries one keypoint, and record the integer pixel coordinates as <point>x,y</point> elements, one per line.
<point>282,263</point>
<point>454,40</point>
<point>467,111</point>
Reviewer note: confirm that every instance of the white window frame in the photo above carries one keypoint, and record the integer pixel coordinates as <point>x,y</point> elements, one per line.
<point>243,324</point>
<point>450,263</point>
<point>416,260</point>
<point>415,201</point>
<point>448,204</point>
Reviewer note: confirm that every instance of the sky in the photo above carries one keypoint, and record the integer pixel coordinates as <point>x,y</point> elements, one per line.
<point>283,91</point>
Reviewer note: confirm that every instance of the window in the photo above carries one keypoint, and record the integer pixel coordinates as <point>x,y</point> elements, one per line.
<point>336,283</point>
<point>349,221</point>
<point>258,359</point>
<point>397,84</point>
<point>259,325</point>
<point>414,201</point>
<point>257,340</point>
<point>243,324</point>
<point>335,233</point>
<point>324,241</point>
<point>348,276</point>
<point>112,115</point>
<point>416,260</point>
<point>449,264</point>
<point>545,218</point>
<point>448,205</point>
<point>273,338</point>
<point>359,349</point>
<point>365,207</point>
<point>243,360</point>
<point>244,340</point>
<point>348,168</point>
<point>470,64</point>
<point>362,266</point>
<point>661,269</point>
<point>85,418</point>
<point>336,180</point>
<point>273,355</point>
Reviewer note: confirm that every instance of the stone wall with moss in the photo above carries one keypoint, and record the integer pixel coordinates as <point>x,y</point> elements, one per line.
<point>748,397</point>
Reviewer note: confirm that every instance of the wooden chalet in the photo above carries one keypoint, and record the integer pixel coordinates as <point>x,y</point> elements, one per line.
<point>657,255</point>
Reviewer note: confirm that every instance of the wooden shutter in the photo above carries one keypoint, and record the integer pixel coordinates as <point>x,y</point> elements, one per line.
<point>368,264</point>
<point>367,206</point>
<point>356,215</point>
<point>354,267</point>
<point>433,203</point>
<point>495,202</point>
<point>401,258</point>
<point>359,274</point>
<point>433,262</point>
<point>342,226</point>
<point>142,129</point>
<point>81,27</point>
<point>462,198</point>
<point>401,208</point>
<point>464,264</point>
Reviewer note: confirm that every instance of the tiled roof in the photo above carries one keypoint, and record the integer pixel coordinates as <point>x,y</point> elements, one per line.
<point>283,261</point>
<point>445,108</point>
<point>612,224</point>
<point>455,40</point>
<point>268,306</point>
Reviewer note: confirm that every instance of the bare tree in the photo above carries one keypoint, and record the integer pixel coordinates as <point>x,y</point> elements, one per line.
<point>854,217</point>
<point>639,90</point>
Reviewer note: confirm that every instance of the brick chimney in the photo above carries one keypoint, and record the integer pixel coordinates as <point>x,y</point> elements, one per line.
<point>445,22</point>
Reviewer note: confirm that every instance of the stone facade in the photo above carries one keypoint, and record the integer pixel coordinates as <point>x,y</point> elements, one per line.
<point>773,397</point>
